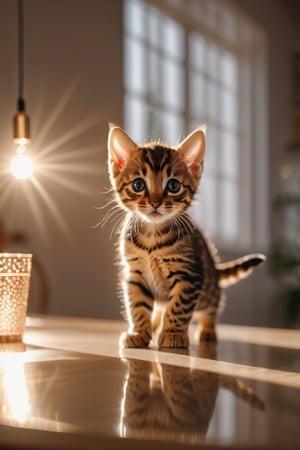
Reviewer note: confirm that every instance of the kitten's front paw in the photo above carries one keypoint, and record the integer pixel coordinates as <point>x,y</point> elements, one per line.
<point>176,339</point>
<point>135,339</point>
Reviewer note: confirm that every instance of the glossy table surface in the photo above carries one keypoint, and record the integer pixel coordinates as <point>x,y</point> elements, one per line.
<point>70,385</point>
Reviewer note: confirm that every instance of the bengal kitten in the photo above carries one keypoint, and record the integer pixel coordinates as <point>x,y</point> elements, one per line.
<point>165,259</point>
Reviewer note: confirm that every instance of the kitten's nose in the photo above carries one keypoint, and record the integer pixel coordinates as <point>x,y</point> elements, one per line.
<point>156,203</point>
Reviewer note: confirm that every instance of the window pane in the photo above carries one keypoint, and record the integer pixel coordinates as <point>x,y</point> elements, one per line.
<point>134,65</point>
<point>173,128</point>
<point>229,109</point>
<point>211,152</point>
<point>197,51</point>
<point>153,75</point>
<point>229,70</point>
<point>134,17</point>
<point>229,209</point>
<point>173,84</point>
<point>213,64</point>
<point>207,204</point>
<point>197,94</point>
<point>154,27</point>
<point>154,124</point>
<point>173,38</point>
<point>229,155</point>
<point>212,100</point>
<point>135,118</point>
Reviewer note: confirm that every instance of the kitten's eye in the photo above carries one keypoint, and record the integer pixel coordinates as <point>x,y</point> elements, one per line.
<point>138,185</point>
<point>173,186</point>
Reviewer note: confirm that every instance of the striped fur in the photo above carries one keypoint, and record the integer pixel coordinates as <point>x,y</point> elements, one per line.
<point>166,263</point>
<point>233,271</point>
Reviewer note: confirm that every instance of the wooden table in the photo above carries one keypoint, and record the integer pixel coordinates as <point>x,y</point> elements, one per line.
<point>70,386</point>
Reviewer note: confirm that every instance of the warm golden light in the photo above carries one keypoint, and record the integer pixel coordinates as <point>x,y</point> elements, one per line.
<point>56,163</point>
<point>22,167</point>
<point>15,271</point>
<point>22,142</point>
<point>17,402</point>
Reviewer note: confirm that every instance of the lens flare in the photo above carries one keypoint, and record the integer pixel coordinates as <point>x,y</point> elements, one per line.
<point>22,167</point>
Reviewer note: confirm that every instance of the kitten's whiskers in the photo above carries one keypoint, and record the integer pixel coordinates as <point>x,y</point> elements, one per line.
<point>183,225</point>
<point>116,229</point>
<point>108,202</point>
<point>110,215</point>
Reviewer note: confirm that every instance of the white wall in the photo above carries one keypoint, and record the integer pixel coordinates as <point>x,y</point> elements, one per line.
<point>73,78</point>
<point>73,55</point>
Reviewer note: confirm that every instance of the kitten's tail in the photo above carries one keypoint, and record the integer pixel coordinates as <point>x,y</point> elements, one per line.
<point>233,271</point>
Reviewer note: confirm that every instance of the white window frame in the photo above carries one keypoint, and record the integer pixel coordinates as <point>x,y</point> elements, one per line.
<point>252,226</point>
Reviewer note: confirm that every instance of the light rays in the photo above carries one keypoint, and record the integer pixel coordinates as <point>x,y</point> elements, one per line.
<point>57,214</point>
<point>72,155</point>
<point>67,183</point>
<point>56,112</point>
<point>6,190</point>
<point>69,167</point>
<point>31,202</point>
<point>75,131</point>
<point>57,163</point>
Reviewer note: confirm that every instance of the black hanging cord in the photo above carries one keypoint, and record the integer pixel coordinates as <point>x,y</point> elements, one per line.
<point>21,102</point>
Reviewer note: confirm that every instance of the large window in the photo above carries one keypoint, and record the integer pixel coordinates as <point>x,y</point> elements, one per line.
<point>191,62</point>
<point>154,74</point>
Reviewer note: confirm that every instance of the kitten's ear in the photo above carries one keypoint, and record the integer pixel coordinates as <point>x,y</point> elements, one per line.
<point>120,146</point>
<point>192,149</point>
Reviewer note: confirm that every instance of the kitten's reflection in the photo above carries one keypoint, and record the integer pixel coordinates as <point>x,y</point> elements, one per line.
<point>159,399</point>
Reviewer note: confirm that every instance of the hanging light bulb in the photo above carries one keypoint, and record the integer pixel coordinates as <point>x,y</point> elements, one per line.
<point>21,166</point>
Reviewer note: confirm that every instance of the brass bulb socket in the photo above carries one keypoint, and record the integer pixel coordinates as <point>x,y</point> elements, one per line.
<point>21,128</point>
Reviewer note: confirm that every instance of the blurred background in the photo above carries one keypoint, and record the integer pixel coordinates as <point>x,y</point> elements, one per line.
<point>159,69</point>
